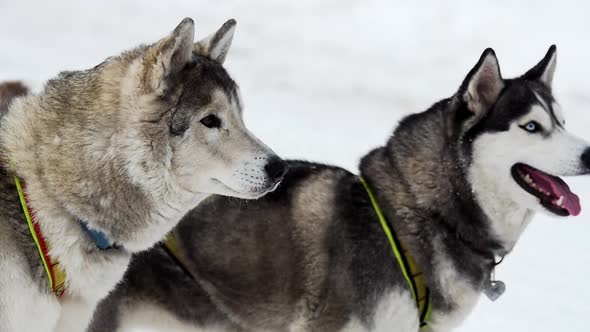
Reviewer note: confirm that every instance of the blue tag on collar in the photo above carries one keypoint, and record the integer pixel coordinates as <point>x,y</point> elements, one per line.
<point>100,238</point>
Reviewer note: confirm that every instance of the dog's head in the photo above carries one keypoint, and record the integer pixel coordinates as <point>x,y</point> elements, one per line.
<point>188,110</point>
<point>519,144</point>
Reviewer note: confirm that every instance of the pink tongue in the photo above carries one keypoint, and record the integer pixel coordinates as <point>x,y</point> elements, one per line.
<point>571,201</point>
<point>558,188</point>
<point>572,204</point>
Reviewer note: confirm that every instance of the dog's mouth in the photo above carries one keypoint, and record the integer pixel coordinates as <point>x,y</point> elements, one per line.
<point>553,193</point>
<point>252,193</point>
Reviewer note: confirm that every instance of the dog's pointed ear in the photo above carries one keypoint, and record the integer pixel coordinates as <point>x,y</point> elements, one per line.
<point>217,45</point>
<point>483,84</point>
<point>166,58</point>
<point>545,69</point>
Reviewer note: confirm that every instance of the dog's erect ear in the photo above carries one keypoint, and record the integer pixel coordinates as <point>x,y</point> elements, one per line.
<point>545,69</point>
<point>169,56</point>
<point>217,45</point>
<point>483,84</point>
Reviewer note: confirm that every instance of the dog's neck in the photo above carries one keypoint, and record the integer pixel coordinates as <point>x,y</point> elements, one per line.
<point>79,161</point>
<point>427,216</point>
<point>426,196</point>
<point>507,218</point>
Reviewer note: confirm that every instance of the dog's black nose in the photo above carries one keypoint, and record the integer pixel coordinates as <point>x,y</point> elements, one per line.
<point>276,168</point>
<point>586,158</point>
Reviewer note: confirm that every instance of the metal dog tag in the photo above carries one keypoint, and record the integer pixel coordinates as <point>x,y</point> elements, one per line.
<point>494,289</point>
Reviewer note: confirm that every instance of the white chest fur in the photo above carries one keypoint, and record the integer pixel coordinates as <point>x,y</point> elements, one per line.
<point>457,292</point>
<point>149,318</point>
<point>395,312</point>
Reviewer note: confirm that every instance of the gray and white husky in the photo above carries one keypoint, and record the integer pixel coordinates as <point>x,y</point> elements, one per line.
<point>457,184</point>
<point>112,158</point>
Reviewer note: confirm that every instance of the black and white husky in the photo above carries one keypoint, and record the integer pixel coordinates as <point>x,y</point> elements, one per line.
<point>457,185</point>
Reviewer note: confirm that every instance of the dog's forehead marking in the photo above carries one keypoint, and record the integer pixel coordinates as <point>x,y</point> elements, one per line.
<point>550,109</point>
<point>557,112</point>
<point>228,102</point>
<point>541,100</point>
<point>541,115</point>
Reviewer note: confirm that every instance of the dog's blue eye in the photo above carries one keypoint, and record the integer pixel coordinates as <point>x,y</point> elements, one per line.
<point>532,127</point>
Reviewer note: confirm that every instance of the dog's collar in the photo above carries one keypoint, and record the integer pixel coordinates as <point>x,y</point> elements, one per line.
<point>100,238</point>
<point>56,276</point>
<point>410,269</point>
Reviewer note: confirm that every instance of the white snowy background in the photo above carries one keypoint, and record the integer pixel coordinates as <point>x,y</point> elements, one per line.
<point>328,80</point>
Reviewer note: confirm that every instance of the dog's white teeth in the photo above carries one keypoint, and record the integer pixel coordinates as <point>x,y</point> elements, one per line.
<point>559,202</point>
<point>528,179</point>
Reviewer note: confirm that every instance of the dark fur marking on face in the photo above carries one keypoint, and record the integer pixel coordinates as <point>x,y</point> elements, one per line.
<point>199,81</point>
<point>515,101</point>
<point>546,101</point>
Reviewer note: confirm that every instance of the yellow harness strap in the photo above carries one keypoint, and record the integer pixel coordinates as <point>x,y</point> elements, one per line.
<point>170,243</point>
<point>407,264</point>
<point>171,246</point>
<point>56,276</point>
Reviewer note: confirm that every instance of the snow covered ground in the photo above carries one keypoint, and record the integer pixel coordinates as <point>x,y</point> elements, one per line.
<point>328,80</point>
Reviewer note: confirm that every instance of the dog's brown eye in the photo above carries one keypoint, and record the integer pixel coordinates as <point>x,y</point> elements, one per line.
<point>211,121</point>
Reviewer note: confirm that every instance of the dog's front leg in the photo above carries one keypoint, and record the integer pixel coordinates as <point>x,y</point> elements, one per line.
<point>24,305</point>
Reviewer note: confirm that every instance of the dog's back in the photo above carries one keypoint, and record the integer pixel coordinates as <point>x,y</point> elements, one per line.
<point>9,91</point>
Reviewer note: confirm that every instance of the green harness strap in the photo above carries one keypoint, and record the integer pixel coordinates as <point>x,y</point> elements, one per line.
<point>407,264</point>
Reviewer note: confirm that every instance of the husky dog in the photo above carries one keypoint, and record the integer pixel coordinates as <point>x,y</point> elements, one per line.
<point>457,183</point>
<point>117,154</point>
